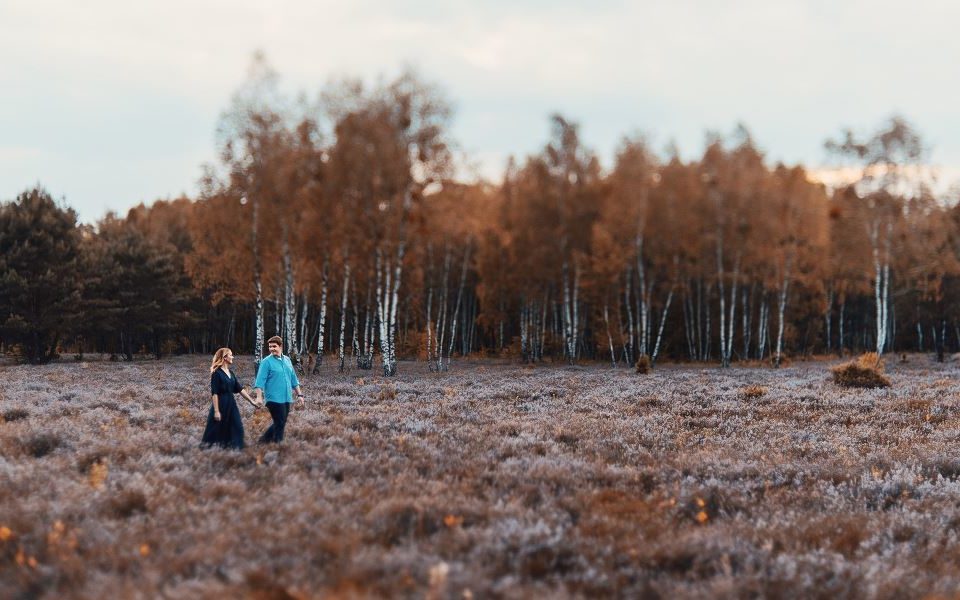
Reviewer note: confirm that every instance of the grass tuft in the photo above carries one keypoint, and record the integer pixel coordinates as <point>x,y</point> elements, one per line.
<point>643,365</point>
<point>863,372</point>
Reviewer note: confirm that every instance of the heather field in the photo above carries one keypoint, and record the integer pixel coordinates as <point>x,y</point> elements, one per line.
<point>493,480</point>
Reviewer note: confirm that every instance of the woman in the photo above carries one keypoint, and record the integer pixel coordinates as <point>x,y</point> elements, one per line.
<point>224,427</point>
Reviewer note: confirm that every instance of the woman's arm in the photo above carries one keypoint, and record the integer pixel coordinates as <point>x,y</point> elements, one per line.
<point>214,392</point>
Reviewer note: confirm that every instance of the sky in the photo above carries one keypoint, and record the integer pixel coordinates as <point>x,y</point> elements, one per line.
<point>108,103</point>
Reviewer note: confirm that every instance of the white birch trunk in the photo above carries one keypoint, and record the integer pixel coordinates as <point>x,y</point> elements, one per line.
<point>258,288</point>
<point>443,309</point>
<point>523,333</point>
<point>302,330</point>
<point>728,350</point>
<point>394,303</point>
<point>383,273</point>
<point>606,321</point>
<point>456,309</point>
<point>762,329</point>
<point>628,339</point>
<point>343,315</point>
<point>543,327</point>
<point>429,326</point>
<point>290,309</point>
<point>321,334</point>
<point>567,313</point>
<point>828,318</point>
<point>321,326</point>
<point>688,324</point>
<point>747,298</point>
<point>644,299</point>
<point>663,321</point>
<point>575,339</point>
<point>708,328</point>
<point>723,310</point>
<point>782,313</point>
<point>881,287</point>
<point>277,313</point>
<point>843,306</point>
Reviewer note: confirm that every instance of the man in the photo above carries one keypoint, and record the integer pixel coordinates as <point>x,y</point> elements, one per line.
<point>276,379</point>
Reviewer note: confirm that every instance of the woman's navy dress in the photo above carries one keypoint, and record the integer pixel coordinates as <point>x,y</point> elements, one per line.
<point>228,431</point>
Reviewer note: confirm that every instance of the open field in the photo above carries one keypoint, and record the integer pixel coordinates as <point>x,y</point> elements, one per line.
<point>488,481</point>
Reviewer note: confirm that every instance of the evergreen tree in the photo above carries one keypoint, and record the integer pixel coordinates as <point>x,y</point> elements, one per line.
<point>134,292</point>
<point>39,282</point>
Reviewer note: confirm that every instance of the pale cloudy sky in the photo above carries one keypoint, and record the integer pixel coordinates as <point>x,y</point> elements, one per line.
<point>109,103</point>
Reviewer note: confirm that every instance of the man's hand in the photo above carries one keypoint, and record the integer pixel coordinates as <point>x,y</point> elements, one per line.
<point>300,402</point>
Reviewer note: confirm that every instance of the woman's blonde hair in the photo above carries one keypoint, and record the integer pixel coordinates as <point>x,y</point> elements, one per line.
<point>218,359</point>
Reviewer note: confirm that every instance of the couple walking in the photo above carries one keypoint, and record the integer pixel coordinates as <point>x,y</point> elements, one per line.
<point>276,380</point>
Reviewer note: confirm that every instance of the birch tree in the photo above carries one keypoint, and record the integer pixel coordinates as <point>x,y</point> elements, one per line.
<point>890,163</point>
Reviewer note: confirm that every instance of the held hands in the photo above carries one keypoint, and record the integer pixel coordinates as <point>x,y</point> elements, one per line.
<point>255,400</point>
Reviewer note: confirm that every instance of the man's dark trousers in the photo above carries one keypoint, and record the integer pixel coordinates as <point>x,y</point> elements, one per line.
<point>279,412</point>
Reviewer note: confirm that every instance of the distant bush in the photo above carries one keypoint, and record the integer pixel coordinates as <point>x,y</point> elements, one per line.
<point>778,363</point>
<point>387,392</point>
<point>864,372</point>
<point>643,365</point>
<point>126,503</point>
<point>15,414</point>
<point>754,391</point>
<point>395,520</point>
<point>16,354</point>
<point>41,444</point>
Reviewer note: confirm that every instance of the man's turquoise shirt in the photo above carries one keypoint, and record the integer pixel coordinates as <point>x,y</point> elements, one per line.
<point>276,378</point>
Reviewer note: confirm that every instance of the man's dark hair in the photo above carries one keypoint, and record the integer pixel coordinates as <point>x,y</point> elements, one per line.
<point>275,340</point>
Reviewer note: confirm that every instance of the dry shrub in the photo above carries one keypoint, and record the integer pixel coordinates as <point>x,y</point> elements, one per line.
<point>705,506</point>
<point>16,353</point>
<point>387,392</point>
<point>395,520</point>
<point>264,587</point>
<point>673,560</point>
<point>752,392</point>
<point>542,560</point>
<point>784,360</point>
<point>864,372</point>
<point>566,438</point>
<point>126,503</point>
<point>841,533</point>
<point>39,445</point>
<point>643,365</point>
<point>917,404</point>
<point>617,517</point>
<point>946,467</point>
<point>650,402</point>
<point>15,414</point>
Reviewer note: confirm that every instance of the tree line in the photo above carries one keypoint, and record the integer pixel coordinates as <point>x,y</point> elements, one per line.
<point>339,225</point>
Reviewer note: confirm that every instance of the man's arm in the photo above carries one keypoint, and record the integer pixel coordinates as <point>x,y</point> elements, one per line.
<point>300,397</point>
<point>295,383</point>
